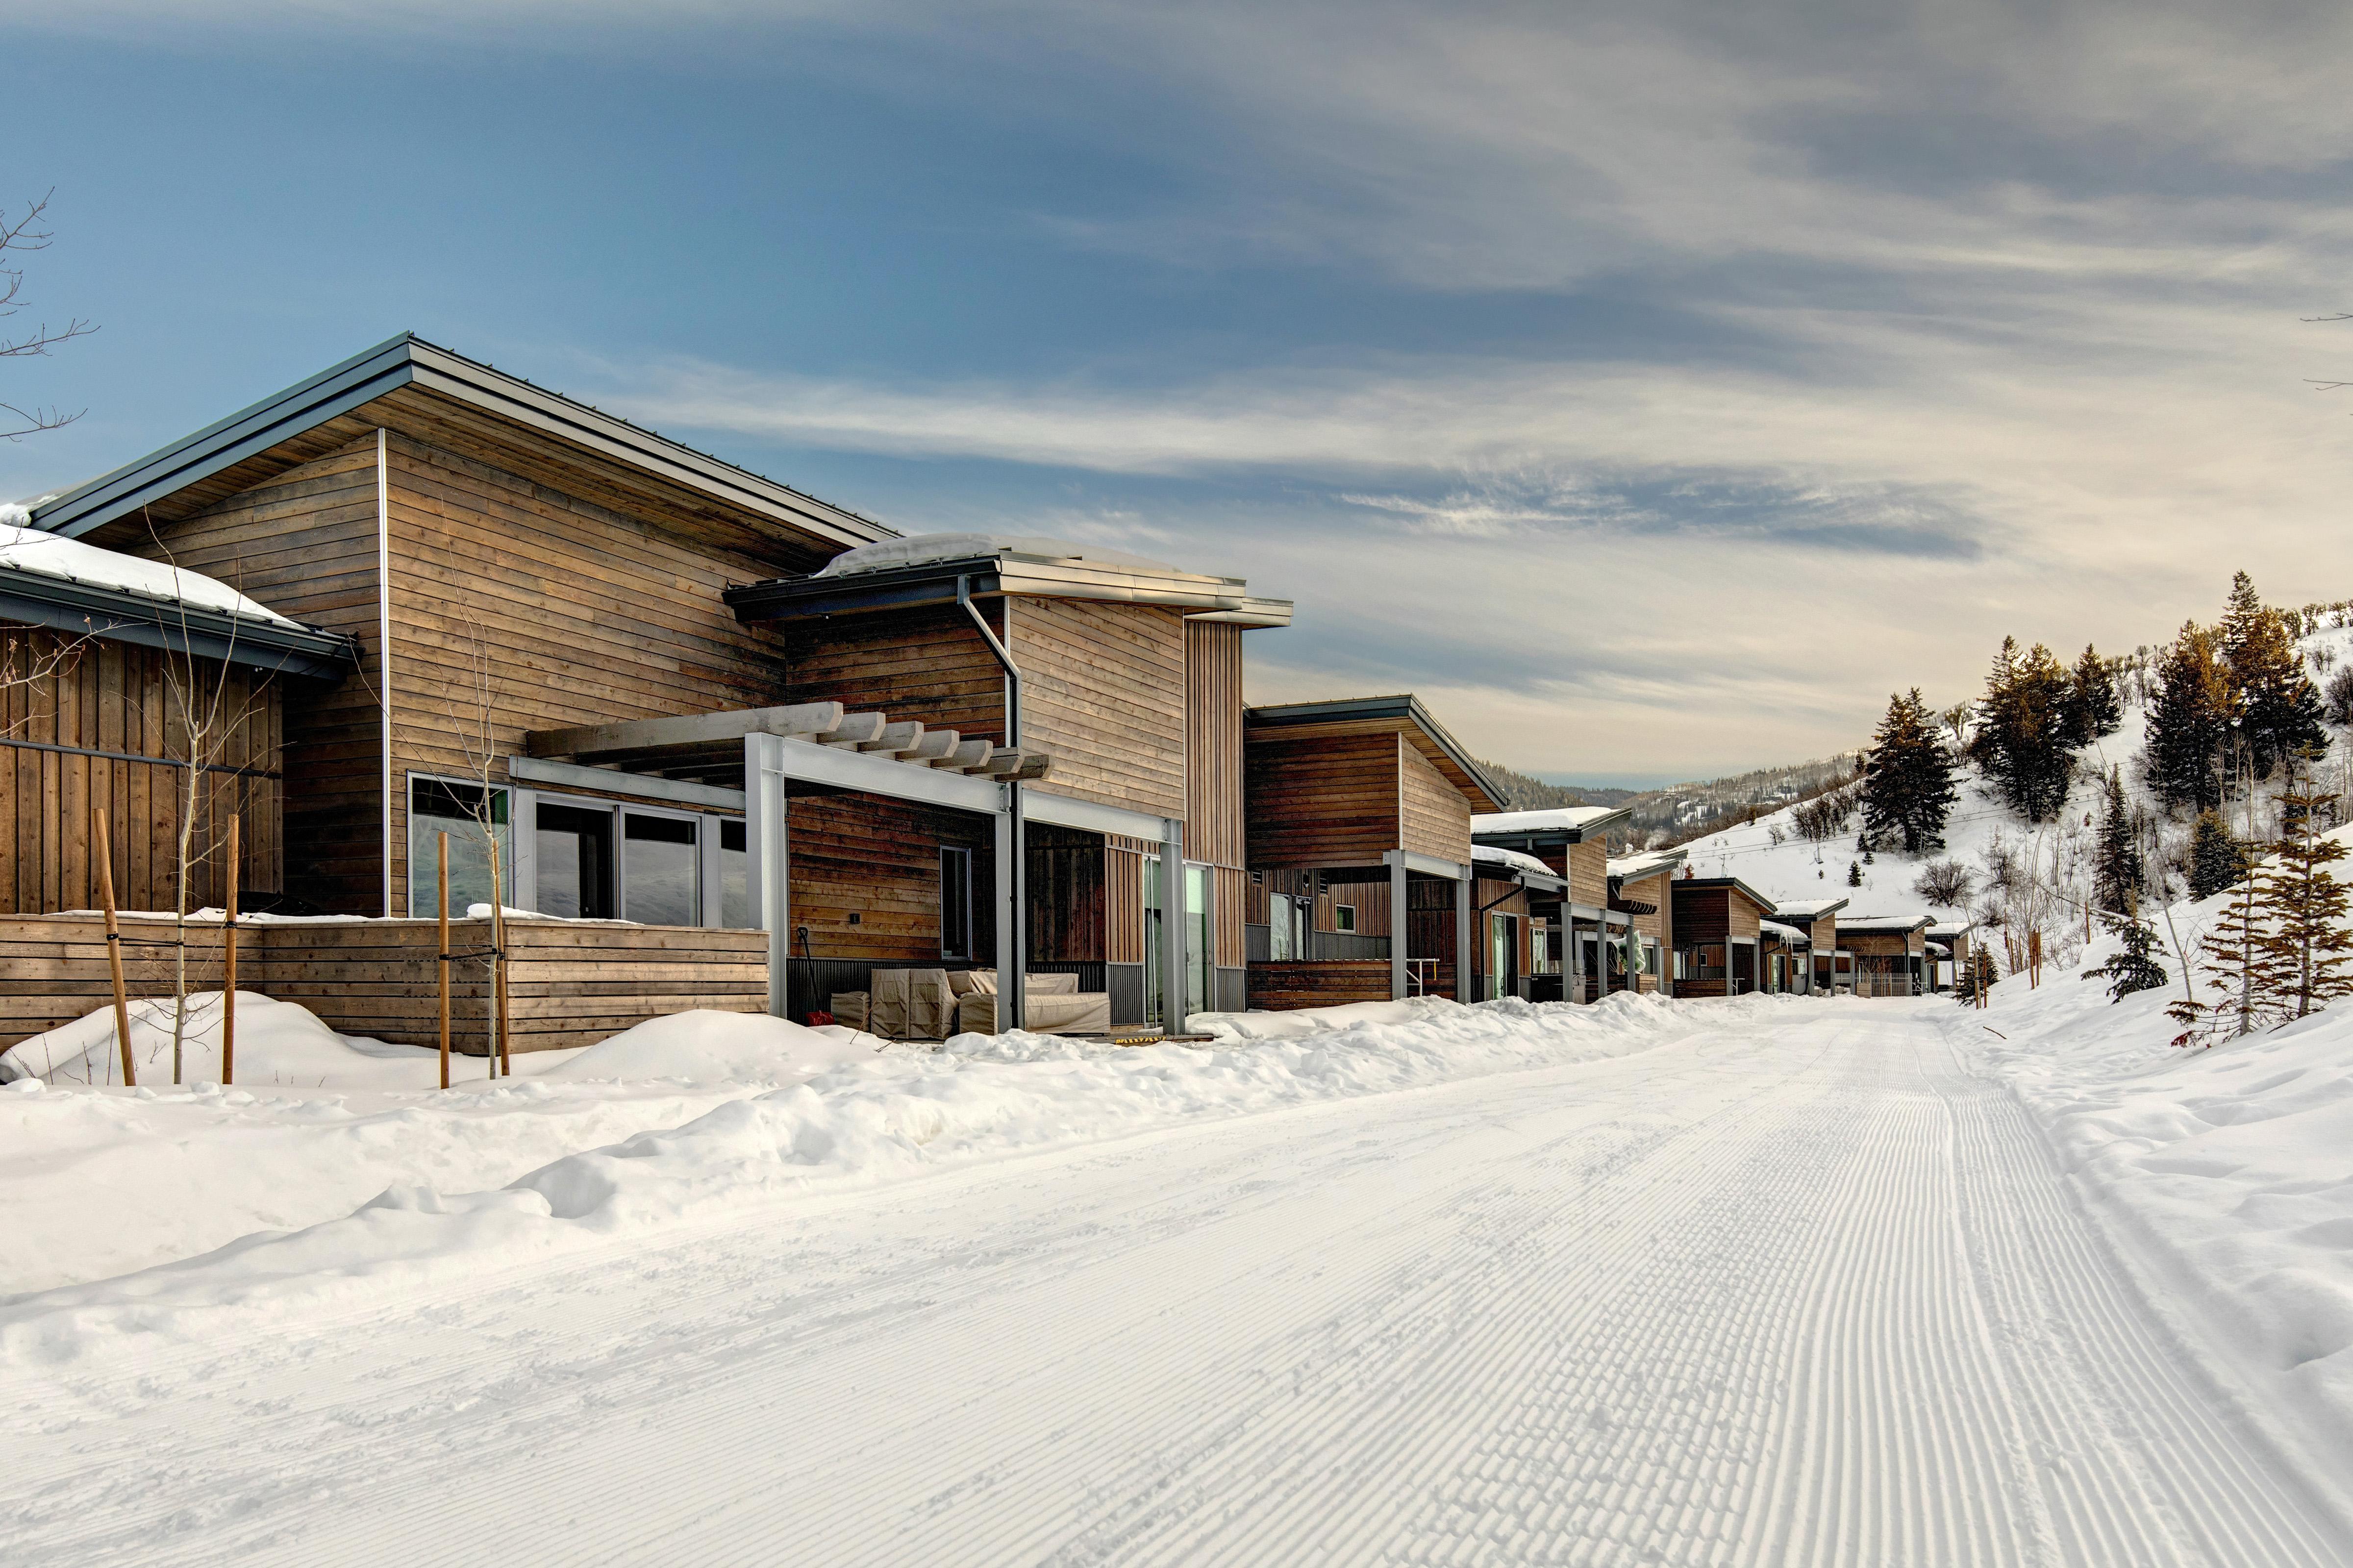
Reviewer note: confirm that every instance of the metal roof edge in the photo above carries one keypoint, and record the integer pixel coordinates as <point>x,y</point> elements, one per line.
<point>121,615</point>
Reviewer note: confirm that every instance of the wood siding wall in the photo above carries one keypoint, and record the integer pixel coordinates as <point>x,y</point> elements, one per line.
<point>1434,818</point>
<point>929,665</point>
<point>1321,802</point>
<point>1067,892</point>
<point>568,984</point>
<point>1214,829</point>
<point>1104,693</point>
<point>1123,899</point>
<point>1588,873</point>
<point>880,860</point>
<point>1884,946</point>
<point>305,544</point>
<point>1317,984</point>
<point>113,697</point>
<point>1659,925</point>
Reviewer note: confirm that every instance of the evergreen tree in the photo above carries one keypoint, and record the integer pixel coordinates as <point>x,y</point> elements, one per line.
<point>2117,868</point>
<point>2280,710</point>
<point>1908,779</point>
<point>2136,966</point>
<point>2022,743</point>
<point>2250,980</point>
<point>2216,861</point>
<point>2189,723</point>
<point>2095,711</point>
<point>2304,905</point>
<point>1855,874</point>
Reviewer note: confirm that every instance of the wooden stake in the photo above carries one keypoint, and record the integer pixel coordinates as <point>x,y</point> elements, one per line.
<point>443,857</point>
<point>114,947</point>
<point>228,969</point>
<point>498,966</point>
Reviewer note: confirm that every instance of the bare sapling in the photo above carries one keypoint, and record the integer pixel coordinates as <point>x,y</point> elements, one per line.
<point>228,967</point>
<point>18,234</point>
<point>114,947</point>
<point>476,730</point>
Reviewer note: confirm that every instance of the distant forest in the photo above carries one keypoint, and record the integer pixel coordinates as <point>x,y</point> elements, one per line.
<point>1682,812</point>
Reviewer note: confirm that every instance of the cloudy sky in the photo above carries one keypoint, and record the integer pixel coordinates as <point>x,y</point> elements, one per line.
<point>1652,387</point>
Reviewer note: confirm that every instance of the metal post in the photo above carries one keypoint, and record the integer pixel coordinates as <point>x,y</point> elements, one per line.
<point>1012,856</point>
<point>1398,913</point>
<point>1463,990</point>
<point>1172,929</point>
<point>766,839</point>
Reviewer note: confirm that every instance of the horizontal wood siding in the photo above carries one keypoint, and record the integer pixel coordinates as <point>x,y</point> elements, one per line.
<point>1276,987</point>
<point>303,542</point>
<point>929,665</point>
<point>108,696</point>
<point>1884,946</point>
<point>573,614</point>
<point>1436,817</point>
<point>1322,800</point>
<point>880,860</point>
<point>568,984</point>
<point>1104,693</point>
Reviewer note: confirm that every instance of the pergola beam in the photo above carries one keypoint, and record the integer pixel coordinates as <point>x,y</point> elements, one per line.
<point>683,730</point>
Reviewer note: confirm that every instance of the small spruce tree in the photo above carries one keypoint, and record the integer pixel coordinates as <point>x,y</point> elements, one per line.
<point>2306,940</point>
<point>2136,966</point>
<point>2116,854</point>
<point>1855,874</point>
<point>2216,861</point>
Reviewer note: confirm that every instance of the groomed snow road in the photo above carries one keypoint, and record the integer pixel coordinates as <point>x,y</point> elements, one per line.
<point>1808,1294</point>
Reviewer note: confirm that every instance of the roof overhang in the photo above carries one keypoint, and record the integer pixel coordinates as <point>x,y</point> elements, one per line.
<point>1513,838</point>
<point>1726,884</point>
<point>996,576</point>
<point>33,598</point>
<point>1401,714</point>
<point>410,362</point>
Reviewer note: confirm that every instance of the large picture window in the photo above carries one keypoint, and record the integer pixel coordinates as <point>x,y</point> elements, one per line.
<point>475,830</point>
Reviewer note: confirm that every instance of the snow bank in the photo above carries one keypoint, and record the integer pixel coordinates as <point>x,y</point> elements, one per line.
<point>982,1096</point>
<point>278,1044</point>
<point>51,556</point>
<point>707,1046</point>
<point>2229,1171</point>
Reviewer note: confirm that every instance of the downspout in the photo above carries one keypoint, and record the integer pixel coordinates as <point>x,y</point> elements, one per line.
<point>1011,1014</point>
<point>384,646</point>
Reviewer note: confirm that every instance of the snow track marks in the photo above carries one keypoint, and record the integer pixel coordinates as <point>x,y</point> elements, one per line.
<point>1810,1297</point>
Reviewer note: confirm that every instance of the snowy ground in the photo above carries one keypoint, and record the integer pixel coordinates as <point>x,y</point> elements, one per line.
<point>1776,1280</point>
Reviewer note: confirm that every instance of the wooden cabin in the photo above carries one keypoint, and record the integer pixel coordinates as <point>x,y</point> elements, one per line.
<point>620,653</point>
<point>102,659</point>
<point>1639,888</point>
<point>1785,958</point>
<point>1350,805</point>
<point>1948,942</point>
<point>1120,679</point>
<point>1890,952</point>
<point>1718,936</point>
<point>1585,932</point>
<point>1817,919</point>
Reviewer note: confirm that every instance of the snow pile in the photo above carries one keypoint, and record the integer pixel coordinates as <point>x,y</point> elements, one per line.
<point>707,1046</point>
<point>1307,1021</point>
<point>1517,859</point>
<point>51,555</point>
<point>277,1043</point>
<point>2229,1171</point>
<point>1548,819</point>
<point>982,1097</point>
<point>921,549</point>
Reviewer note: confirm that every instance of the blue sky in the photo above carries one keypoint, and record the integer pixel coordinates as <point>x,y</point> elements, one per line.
<point>1651,388</point>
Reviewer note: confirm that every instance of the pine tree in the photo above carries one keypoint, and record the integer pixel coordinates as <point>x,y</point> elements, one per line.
<point>2189,723</point>
<point>2251,983</point>
<point>1855,874</point>
<point>2216,861</point>
<point>2306,906</point>
<point>2094,709</point>
<point>2117,868</point>
<point>2136,966</point>
<point>2280,709</point>
<point>2023,743</point>
<point>1908,779</point>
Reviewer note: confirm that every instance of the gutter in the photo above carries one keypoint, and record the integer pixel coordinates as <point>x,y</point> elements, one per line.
<point>118,614</point>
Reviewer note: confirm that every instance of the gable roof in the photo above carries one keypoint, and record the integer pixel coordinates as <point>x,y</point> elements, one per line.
<point>1642,868</point>
<point>433,395</point>
<point>1731,884</point>
<point>1401,714</point>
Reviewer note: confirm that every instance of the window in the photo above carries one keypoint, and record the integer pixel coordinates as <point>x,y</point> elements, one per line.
<point>734,877</point>
<point>1344,917</point>
<point>955,903</point>
<point>574,846</point>
<point>435,808</point>
<point>661,871</point>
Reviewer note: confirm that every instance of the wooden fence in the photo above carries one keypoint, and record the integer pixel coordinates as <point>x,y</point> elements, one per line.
<point>569,983</point>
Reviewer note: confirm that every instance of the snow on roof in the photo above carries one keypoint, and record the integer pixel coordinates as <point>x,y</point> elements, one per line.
<point>1517,859</point>
<point>1571,818</point>
<point>921,549</point>
<point>1634,868</point>
<point>1881,922</point>
<point>1952,928</point>
<point>71,560</point>
<point>1779,932</point>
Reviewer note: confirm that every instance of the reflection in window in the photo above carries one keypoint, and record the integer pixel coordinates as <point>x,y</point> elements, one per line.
<point>576,862</point>
<point>734,878</point>
<point>457,809</point>
<point>661,875</point>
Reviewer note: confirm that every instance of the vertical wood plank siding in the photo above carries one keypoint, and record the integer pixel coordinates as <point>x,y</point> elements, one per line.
<point>112,697</point>
<point>1214,830</point>
<point>1102,693</point>
<point>1067,892</point>
<point>1322,800</point>
<point>1435,817</point>
<point>1124,902</point>
<point>1588,873</point>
